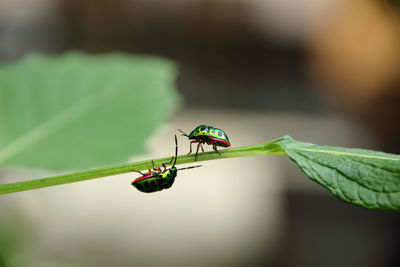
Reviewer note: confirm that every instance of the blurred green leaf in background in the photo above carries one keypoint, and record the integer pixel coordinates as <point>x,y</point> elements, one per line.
<point>76,111</point>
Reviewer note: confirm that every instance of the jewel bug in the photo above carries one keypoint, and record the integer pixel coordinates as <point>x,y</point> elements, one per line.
<point>157,179</point>
<point>209,135</point>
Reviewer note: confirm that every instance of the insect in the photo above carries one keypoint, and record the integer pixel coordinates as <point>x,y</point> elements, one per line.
<point>157,179</point>
<point>207,134</point>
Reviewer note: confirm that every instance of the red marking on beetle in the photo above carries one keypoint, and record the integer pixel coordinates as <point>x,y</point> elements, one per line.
<point>220,142</point>
<point>147,176</point>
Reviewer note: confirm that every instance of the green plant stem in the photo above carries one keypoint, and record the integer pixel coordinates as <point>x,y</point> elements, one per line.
<point>269,148</point>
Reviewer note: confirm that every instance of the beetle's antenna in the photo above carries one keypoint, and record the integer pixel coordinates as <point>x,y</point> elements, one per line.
<point>176,150</point>
<point>191,167</point>
<point>183,133</point>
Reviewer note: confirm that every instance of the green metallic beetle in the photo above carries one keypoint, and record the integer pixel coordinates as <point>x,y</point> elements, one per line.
<point>157,179</point>
<point>209,135</point>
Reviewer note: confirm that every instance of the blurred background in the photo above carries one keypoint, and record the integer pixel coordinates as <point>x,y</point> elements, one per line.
<point>322,71</point>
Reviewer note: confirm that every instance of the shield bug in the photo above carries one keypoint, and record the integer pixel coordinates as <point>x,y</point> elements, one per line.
<point>209,135</point>
<point>157,179</point>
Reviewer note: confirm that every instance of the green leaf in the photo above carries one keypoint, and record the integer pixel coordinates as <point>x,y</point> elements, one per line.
<point>366,178</point>
<point>80,111</point>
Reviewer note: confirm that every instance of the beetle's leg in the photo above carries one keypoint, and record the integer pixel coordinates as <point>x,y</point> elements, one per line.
<point>169,162</point>
<point>154,168</point>
<point>152,163</point>
<point>165,163</point>
<point>139,172</point>
<point>190,151</point>
<point>215,148</point>
<point>197,151</point>
<point>201,146</point>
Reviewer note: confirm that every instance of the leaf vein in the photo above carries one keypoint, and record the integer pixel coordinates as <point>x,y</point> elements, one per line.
<point>349,178</point>
<point>345,153</point>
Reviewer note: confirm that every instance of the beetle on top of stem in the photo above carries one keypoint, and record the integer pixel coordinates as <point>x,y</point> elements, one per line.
<point>209,135</point>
